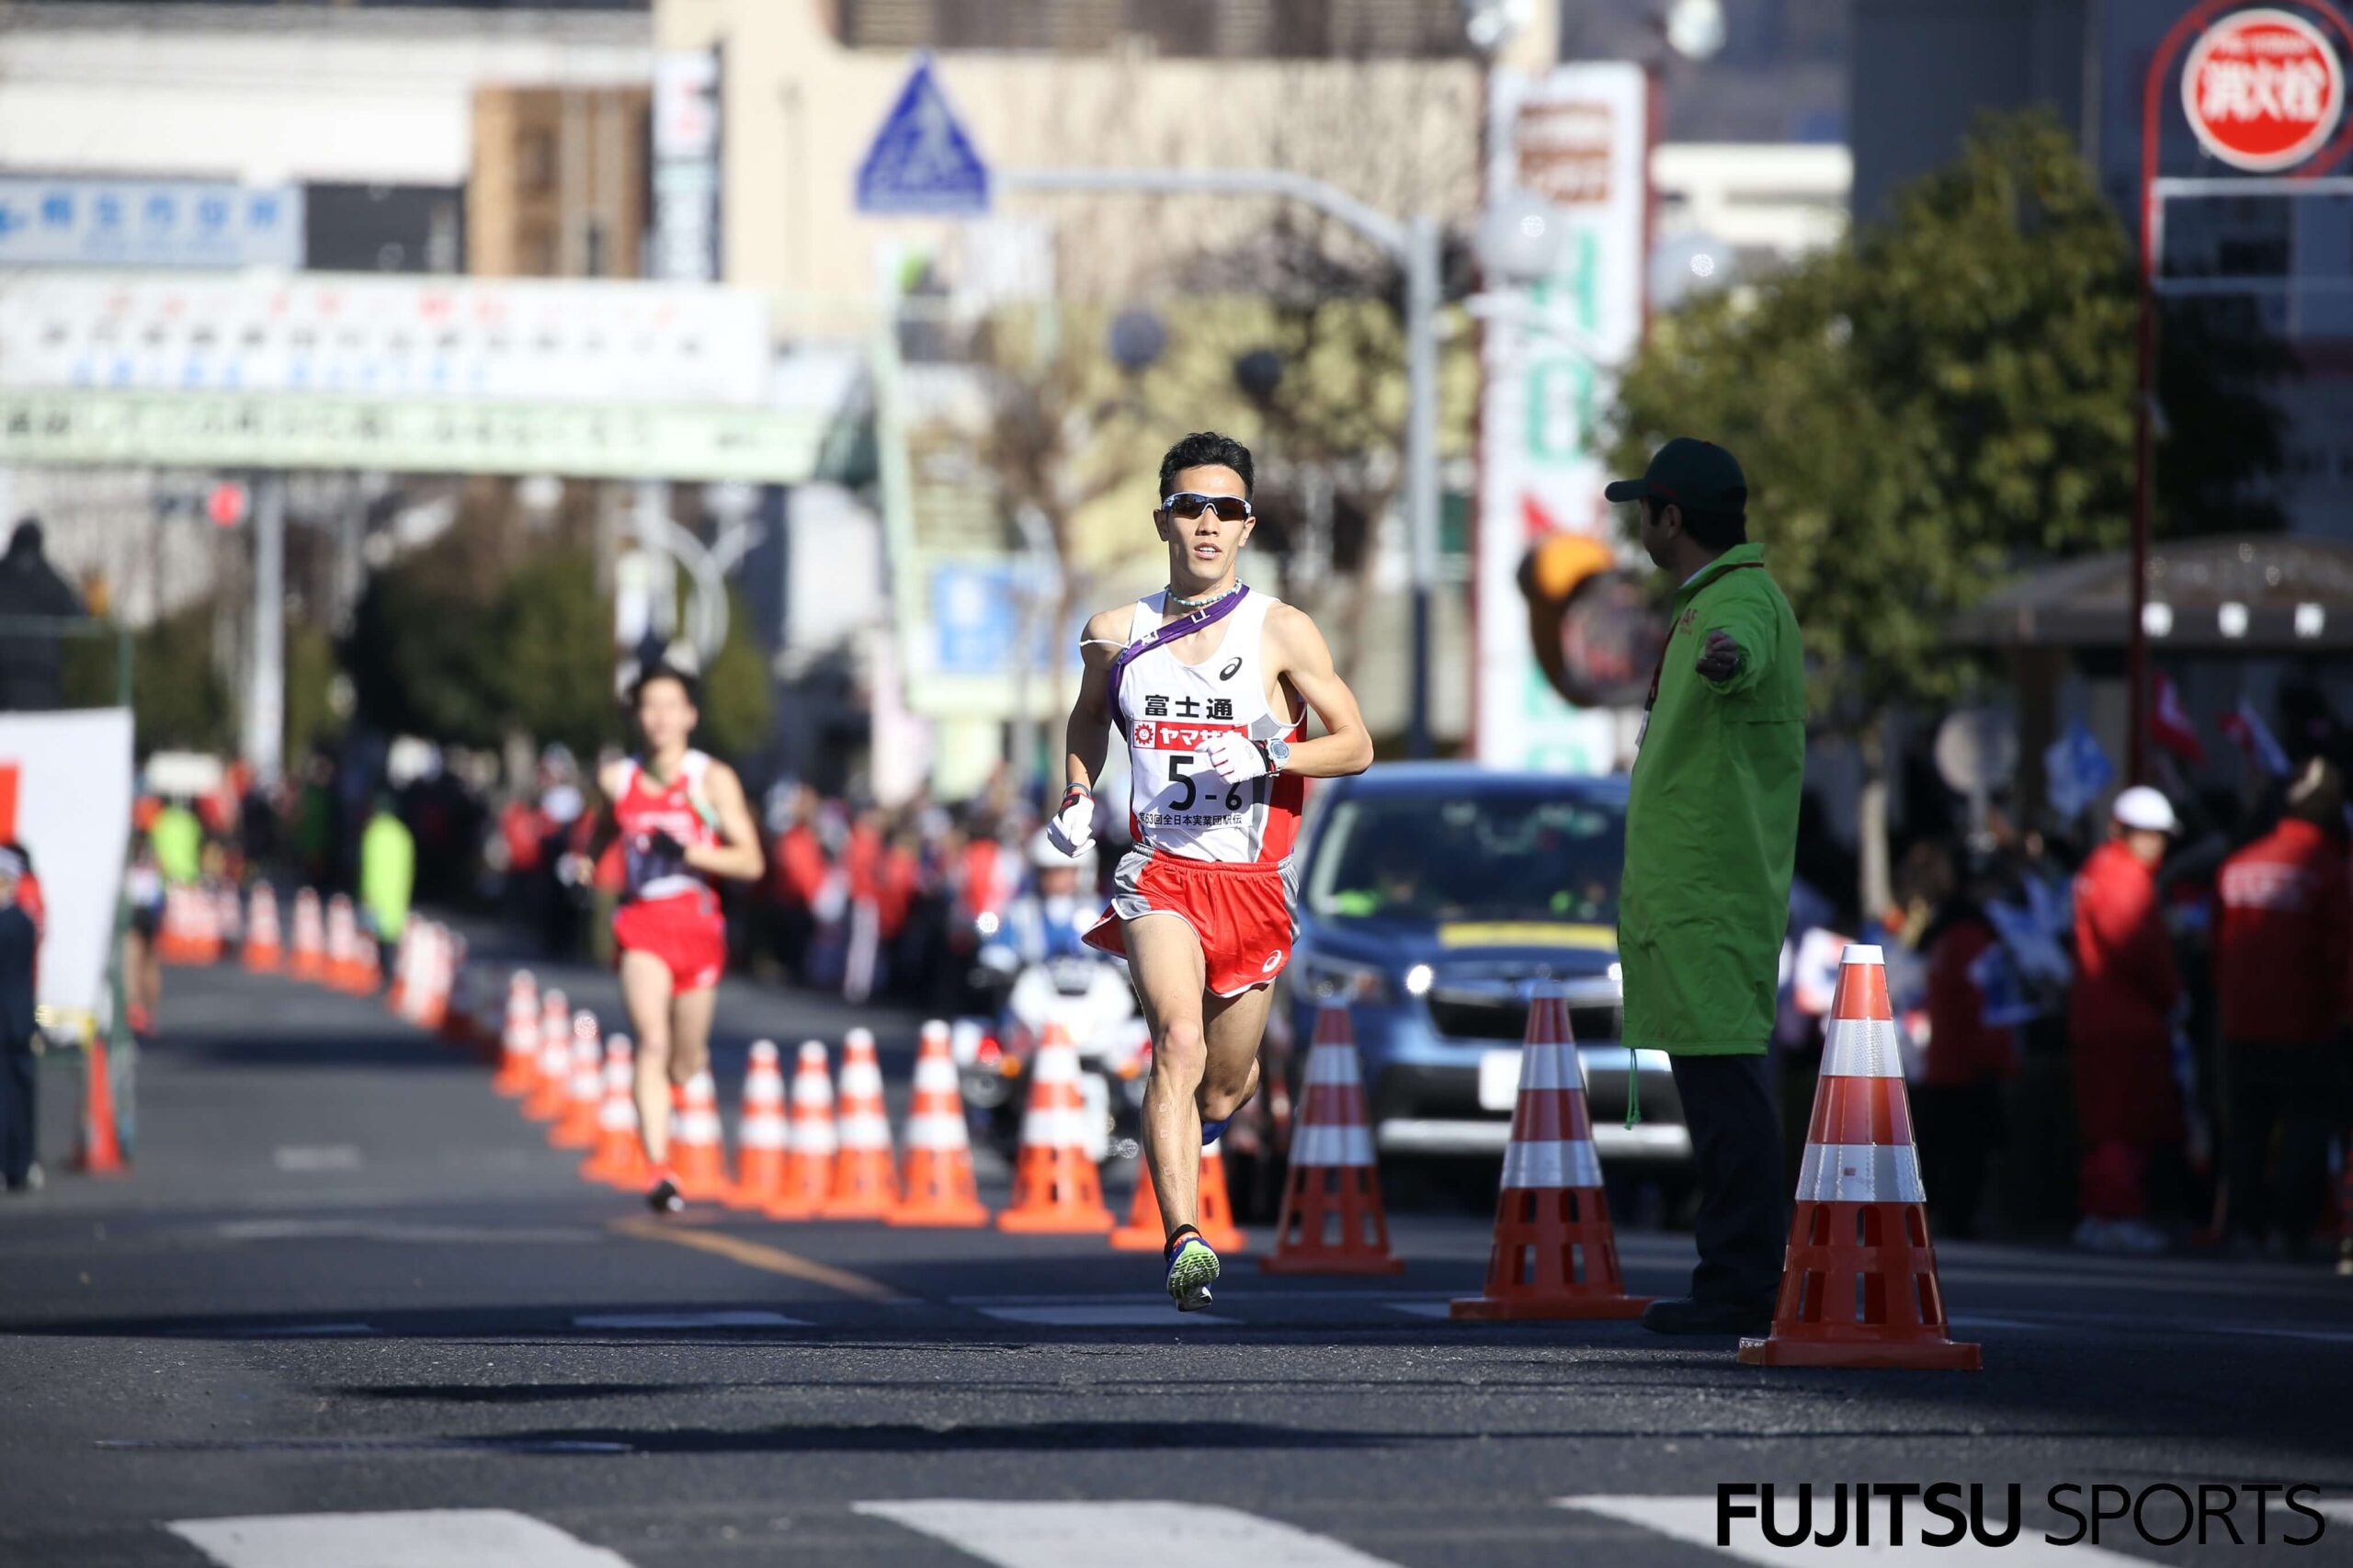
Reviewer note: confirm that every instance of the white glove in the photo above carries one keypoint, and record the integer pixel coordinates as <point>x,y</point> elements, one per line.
<point>1234,758</point>
<point>1072,828</point>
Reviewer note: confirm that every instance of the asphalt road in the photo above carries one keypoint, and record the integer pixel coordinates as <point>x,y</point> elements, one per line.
<point>350,1311</point>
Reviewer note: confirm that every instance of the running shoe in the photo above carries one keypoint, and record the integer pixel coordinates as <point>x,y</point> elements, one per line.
<point>1191,1268</point>
<point>663,1197</point>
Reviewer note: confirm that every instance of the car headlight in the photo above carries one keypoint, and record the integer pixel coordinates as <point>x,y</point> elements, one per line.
<point>1358,983</point>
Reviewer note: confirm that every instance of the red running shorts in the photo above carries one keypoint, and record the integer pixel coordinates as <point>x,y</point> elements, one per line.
<point>686,932</point>
<point>1241,913</point>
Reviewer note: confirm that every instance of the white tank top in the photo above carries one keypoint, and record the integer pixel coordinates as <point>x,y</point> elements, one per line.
<point>1176,806</point>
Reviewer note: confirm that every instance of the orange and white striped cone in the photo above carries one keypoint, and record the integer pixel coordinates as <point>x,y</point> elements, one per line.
<point>404,970</point>
<point>1332,1220</point>
<point>1056,1184</point>
<point>204,915</point>
<point>310,937</point>
<point>553,1088</point>
<point>228,917</point>
<point>342,945</point>
<point>1556,1254</point>
<point>866,1174</point>
<point>617,1161</point>
<point>576,1126</point>
<point>760,1131</point>
<point>697,1146</point>
<point>428,1000</point>
<point>811,1146</point>
<point>264,949</point>
<point>936,1187</point>
<point>1146,1231</point>
<point>519,1063</point>
<point>1859,1283</point>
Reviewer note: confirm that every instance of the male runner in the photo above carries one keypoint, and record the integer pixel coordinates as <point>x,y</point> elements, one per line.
<point>1209,682</point>
<point>682,821</point>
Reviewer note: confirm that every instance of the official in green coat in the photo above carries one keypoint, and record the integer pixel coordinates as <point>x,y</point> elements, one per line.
<point>1711,820</point>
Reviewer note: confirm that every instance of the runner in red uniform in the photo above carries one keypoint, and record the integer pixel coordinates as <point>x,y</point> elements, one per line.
<point>680,820</point>
<point>1211,682</point>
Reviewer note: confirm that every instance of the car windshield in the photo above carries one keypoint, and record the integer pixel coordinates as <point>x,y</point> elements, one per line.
<point>1499,857</point>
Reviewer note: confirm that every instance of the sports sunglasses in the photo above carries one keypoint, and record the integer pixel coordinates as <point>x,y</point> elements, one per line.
<point>1191,504</point>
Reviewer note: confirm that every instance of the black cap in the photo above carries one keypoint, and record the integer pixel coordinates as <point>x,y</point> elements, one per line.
<point>1696,475</point>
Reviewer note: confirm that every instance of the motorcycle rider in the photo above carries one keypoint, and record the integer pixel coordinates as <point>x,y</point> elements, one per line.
<point>1049,918</point>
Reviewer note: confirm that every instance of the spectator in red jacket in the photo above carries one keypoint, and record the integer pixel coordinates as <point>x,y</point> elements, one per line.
<point>1958,1105</point>
<point>2282,946</point>
<point>2119,1024</point>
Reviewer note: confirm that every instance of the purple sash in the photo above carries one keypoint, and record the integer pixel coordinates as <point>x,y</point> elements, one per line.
<point>1183,626</point>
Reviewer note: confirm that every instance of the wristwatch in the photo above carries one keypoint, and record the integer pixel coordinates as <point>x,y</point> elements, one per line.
<point>1277,754</point>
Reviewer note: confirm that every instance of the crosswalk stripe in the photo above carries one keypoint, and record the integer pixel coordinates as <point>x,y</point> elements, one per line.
<point>1086,1535</point>
<point>1693,1520</point>
<point>1141,1314</point>
<point>432,1538</point>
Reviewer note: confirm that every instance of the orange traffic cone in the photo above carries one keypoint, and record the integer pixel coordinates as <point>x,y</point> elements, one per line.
<point>866,1175</point>
<point>1859,1285</point>
<point>616,1160</point>
<point>310,937</point>
<point>519,1064</point>
<point>810,1144</point>
<point>1556,1254</point>
<point>426,1002</point>
<point>760,1131</point>
<point>936,1187</point>
<point>264,948</point>
<point>553,1088</point>
<point>405,972</point>
<point>1332,1220</point>
<point>1056,1184</point>
<point>228,917</point>
<point>575,1125</point>
<point>698,1152</point>
<point>1146,1231</point>
<point>100,1150</point>
<point>366,969</point>
<point>342,945</point>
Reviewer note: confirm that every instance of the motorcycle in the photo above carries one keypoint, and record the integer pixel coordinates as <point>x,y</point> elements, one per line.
<point>1089,996</point>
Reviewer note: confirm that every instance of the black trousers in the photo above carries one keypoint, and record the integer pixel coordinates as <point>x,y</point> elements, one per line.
<point>2292,1091</point>
<point>1736,1143</point>
<point>19,1093</point>
<point>1958,1127</point>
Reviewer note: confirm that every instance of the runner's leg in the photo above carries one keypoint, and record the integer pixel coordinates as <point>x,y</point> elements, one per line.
<point>1165,961</point>
<point>1235,1026</point>
<point>690,1013</point>
<point>645,997</point>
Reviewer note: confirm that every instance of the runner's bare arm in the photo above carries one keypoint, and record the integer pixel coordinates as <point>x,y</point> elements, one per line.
<point>1297,649</point>
<point>737,855</point>
<point>1088,735</point>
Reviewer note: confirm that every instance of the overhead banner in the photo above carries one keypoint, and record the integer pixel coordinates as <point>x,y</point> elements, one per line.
<point>214,430</point>
<point>150,223</point>
<point>1577,136</point>
<point>67,776</point>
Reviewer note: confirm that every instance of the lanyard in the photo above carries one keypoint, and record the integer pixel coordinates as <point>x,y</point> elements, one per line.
<point>1183,626</point>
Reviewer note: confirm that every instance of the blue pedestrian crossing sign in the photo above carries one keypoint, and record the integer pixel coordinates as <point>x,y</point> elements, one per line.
<point>922,163</point>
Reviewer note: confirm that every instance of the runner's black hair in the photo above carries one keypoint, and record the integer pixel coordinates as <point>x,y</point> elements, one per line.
<point>686,683</point>
<point>1207,448</point>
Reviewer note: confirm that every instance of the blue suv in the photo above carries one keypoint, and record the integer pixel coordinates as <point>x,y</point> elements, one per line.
<point>1429,896</point>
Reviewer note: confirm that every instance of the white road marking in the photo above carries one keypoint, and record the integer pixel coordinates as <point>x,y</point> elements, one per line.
<point>316,1157</point>
<point>1087,1535</point>
<point>2337,1508</point>
<point>1693,1522</point>
<point>436,1538</point>
<point>688,1319</point>
<point>2318,1335</point>
<point>1422,1309</point>
<point>1150,1315</point>
<point>2001,1322</point>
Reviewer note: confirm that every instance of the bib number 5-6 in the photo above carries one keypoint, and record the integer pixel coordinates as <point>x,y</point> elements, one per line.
<point>1177,774</point>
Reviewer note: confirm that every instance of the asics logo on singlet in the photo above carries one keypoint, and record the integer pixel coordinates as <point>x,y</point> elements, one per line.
<point>1268,967</point>
<point>1232,664</point>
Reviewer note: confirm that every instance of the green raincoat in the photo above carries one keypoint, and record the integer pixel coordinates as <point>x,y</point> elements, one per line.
<point>1712,822</point>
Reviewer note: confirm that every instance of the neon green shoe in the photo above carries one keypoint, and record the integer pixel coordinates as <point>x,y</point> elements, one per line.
<point>1191,1268</point>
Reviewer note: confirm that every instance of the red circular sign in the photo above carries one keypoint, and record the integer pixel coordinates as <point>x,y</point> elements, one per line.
<point>225,505</point>
<point>2264,90</point>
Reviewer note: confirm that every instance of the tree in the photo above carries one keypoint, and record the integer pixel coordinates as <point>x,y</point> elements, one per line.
<point>1941,400</point>
<point>554,634</point>
<point>1945,398</point>
<point>736,704</point>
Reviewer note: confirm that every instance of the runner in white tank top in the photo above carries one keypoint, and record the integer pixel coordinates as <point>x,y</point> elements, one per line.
<point>1212,682</point>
